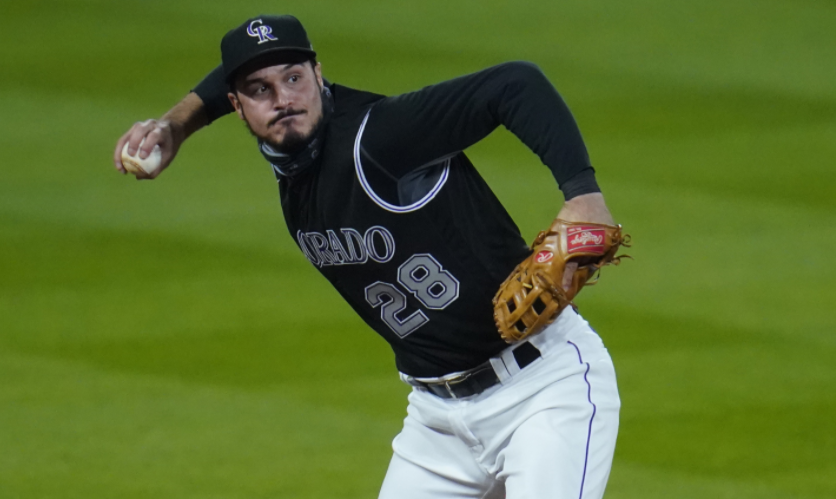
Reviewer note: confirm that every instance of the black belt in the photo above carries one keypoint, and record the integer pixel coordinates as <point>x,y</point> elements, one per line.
<point>480,378</point>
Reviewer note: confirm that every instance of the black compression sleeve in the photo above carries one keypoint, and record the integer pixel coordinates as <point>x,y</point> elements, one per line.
<point>582,183</point>
<point>212,91</point>
<point>408,131</point>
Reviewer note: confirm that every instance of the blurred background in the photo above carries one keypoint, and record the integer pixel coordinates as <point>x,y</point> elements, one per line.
<point>168,339</point>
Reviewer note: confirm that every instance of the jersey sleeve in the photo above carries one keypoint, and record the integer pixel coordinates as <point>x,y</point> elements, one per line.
<point>213,90</point>
<point>408,131</point>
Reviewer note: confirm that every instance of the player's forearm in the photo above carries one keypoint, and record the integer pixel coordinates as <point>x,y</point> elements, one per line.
<point>586,208</point>
<point>213,90</point>
<point>186,117</point>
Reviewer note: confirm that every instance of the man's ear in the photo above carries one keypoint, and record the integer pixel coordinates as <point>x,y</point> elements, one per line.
<point>318,73</point>
<point>236,104</point>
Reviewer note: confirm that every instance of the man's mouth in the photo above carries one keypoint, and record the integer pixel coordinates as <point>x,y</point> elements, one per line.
<point>284,116</point>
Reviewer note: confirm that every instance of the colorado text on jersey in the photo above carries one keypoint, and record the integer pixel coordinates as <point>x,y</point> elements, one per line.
<point>328,249</point>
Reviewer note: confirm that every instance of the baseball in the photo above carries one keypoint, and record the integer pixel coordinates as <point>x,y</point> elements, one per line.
<point>134,164</point>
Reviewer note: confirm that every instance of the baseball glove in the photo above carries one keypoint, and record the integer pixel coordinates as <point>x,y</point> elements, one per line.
<point>533,296</point>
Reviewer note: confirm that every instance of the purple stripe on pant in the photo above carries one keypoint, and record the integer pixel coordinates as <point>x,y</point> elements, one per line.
<point>594,410</point>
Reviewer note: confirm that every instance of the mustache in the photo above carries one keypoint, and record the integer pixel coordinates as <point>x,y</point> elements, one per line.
<point>284,114</point>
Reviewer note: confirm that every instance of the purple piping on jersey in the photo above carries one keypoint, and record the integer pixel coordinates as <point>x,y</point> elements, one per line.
<point>594,410</point>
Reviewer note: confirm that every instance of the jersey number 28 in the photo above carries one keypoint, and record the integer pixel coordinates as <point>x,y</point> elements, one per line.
<point>428,282</point>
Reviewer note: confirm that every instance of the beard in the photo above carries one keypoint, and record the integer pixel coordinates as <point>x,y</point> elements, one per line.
<point>294,140</point>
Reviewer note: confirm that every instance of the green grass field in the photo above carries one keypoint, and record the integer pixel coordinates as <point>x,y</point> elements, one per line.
<point>167,339</point>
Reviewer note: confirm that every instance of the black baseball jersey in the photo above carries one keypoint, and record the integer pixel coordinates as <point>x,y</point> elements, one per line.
<point>396,217</point>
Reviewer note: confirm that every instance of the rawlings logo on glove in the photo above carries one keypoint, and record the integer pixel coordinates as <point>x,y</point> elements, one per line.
<point>533,296</point>
<point>584,237</point>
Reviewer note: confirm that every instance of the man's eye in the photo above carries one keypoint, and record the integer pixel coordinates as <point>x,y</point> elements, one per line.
<point>262,89</point>
<point>293,79</point>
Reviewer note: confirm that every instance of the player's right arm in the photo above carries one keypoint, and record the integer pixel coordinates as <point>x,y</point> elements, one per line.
<point>207,102</point>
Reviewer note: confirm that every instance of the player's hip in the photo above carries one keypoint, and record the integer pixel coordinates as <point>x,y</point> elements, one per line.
<point>571,358</point>
<point>572,385</point>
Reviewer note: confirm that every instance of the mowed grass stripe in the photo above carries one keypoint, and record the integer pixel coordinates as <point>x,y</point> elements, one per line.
<point>705,400</point>
<point>727,260</point>
<point>630,480</point>
<point>71,431</point>
<point>768,44</point>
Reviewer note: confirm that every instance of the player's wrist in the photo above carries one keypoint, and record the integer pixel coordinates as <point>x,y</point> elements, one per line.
<point>185,118</point>
<point>581,183</point>
<point>586,208</point>
<point>176,130</point>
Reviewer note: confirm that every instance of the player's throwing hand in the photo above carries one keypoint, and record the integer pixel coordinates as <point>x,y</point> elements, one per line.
<point>169,132</point>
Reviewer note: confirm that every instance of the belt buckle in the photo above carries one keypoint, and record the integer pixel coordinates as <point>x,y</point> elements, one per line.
<point>455,381</point>
<point>450,390</point>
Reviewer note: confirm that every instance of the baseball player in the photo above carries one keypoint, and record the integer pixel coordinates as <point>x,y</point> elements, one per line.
<point>514,394</point>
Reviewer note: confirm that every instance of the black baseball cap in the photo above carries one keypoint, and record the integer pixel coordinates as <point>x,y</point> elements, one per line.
<point>263,35</point>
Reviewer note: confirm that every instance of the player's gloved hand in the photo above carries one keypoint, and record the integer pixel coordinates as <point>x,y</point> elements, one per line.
<point>540,287</point>
<point>155,132</point>
<point>584,208</point>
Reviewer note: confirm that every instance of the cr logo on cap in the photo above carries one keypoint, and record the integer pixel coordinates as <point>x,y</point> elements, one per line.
<point>263,33</point>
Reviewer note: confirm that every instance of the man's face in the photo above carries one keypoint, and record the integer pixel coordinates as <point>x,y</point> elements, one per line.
<point>281,104</point>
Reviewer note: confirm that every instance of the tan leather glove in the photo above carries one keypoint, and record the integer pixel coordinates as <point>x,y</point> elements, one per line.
<point>533,296</point>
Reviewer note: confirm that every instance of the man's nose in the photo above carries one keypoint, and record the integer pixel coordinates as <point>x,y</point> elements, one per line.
<point>283,99</point>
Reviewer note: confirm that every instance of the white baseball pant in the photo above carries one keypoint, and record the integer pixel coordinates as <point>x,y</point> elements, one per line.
<point>547,431</point>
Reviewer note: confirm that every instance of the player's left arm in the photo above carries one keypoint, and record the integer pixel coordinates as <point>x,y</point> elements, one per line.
<point>408,131</point>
